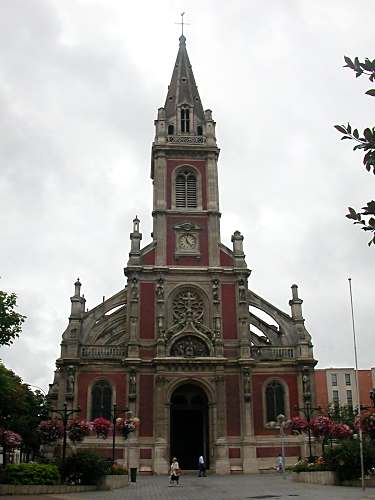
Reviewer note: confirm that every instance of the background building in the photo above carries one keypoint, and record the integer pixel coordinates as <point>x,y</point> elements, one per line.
<point>337,386</point>
<point>205,362</point>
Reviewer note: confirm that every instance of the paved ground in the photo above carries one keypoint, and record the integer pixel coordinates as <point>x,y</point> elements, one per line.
<point>262,486</point>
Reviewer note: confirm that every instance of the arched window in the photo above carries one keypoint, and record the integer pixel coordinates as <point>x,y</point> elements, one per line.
<point>101,400</point>
<point>185,120</point>
<point>275,400</point>
<point>186,189</point>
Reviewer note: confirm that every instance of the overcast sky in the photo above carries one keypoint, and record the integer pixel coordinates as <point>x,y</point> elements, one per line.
<point>80,85</point>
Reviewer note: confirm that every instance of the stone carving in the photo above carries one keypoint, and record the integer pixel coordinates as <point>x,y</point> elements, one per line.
<point>134,289</point>
<point>188,307</point>
<point>189,347</point>
<point>246,384</point>
<point>160,289</point>
<point>215,291</point>
<point>132,383</point>
<point>70,380</point>
<point>306,385</point>
<point>242,290</point>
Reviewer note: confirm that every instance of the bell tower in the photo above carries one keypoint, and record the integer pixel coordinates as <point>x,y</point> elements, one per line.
<point>186,228</point>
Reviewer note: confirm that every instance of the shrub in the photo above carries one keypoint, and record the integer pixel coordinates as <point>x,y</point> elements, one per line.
<point>84,467</point>
<point>345,459</point>
<point>31,473</point>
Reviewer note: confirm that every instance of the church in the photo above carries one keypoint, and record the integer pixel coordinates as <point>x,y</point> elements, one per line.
<point>204,362</point>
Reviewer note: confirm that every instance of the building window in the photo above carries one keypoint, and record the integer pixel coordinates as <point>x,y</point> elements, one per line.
<point>334,378</point>
<point>185,120</point>
<point>347,379</point>
<point>349,398</point>
<point>275,404</point>
<point>101,400</point>
<point>186,190</point>
<point>170,129</point>
<point>199,130</point>
<point>335,398</point>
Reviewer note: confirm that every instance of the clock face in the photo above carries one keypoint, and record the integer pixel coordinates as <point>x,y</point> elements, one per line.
<point>187,241</point>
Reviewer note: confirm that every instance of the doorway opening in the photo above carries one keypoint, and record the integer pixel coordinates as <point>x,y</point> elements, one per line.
<point>189,426</point>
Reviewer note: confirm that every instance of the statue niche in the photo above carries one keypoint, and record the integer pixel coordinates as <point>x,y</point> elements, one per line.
<point>190,347</point>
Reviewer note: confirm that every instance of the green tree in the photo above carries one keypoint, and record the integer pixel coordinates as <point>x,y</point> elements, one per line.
<point>366,142</point>
<point>10,320</point>
<point>21,409</point>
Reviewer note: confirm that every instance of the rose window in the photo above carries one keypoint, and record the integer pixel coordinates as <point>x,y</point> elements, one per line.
<point>188,307</point>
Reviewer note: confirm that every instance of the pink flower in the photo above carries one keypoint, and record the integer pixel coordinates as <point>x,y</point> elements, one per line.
<point>101,426</point>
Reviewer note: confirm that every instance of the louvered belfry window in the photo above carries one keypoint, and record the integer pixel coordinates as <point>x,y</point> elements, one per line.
<point>185,120</point>
<point>186,190</point>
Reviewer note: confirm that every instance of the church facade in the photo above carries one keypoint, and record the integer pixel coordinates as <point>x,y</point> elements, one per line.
<point>185,345</point>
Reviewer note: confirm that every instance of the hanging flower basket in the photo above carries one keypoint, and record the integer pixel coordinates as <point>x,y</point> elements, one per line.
<point>101,426</point>
<point>367,423</point>
<point>10,439</point>
<point>50,430</point>
<point>341,431</point>
<point>78,429</point>
<point>127,425</point>
<point>297,425</point>
<point>322,427</point>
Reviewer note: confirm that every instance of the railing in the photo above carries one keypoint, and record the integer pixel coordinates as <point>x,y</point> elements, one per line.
<point>186,139</point>
<point>103,351</point>
<point>272,353</point>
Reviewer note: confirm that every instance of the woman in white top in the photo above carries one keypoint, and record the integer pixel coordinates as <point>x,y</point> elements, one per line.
<point>174,472</point>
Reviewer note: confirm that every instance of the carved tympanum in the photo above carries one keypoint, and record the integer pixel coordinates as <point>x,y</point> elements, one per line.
<point>189,347</point>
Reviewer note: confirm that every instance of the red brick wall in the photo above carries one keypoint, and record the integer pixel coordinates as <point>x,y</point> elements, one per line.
<point>321,389</point>
<point>225,259</point>
<point>149,258</point>
<point>145,453</point>
<point>146,405</point>
<point>85,379</point>
<point>232,394</point>
<point>200,165</point>
<point>147,312</point>
<point>258,381</point>
<point>234,453</point>
<point>365,386</point>
<point>228,297</point>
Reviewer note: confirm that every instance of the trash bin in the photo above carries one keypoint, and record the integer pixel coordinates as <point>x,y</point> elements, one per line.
<point>133,474</point>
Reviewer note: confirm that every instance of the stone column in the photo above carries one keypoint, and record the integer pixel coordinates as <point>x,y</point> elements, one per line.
<point>161,463</point>
<point>249,464</point>
<point>222,460</point>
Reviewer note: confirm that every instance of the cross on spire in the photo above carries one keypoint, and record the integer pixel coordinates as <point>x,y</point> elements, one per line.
<point>182,23</point>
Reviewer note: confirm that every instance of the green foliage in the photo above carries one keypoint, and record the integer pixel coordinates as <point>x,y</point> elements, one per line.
<point>118,470</point>
<point>21,409</point>
<point>367,143</point>
<point>31,473</point>
<point>342,414</point>
<point>306,467</point>
<point>345,459</point>
<point>10,320</point>
<point>84,467</point>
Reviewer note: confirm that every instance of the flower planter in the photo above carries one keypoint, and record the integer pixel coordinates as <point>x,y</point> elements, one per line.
<point>327,477</point>
<point>113,482</point>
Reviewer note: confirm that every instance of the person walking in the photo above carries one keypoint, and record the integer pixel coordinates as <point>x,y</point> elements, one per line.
<point>280,463</point>
<point>175,472</point>
<point>201,467</point>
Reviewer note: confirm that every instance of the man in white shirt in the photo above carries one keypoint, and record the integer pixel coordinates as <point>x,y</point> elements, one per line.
<point>201,467</point>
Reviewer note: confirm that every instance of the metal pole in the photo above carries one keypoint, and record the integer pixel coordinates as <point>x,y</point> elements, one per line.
<point>357,386</point>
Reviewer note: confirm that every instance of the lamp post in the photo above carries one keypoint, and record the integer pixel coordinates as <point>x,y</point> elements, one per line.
<point>64,413</point>
<point>307,409</point>
<point>281,420</point>
<point>114,418</point>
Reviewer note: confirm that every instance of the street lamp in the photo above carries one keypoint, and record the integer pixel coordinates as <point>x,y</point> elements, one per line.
<point>64,413</point>
<point>114,418</point>
<point>281,420</point>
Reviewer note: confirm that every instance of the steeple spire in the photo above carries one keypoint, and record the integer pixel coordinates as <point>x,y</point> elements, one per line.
<point>183,95</point>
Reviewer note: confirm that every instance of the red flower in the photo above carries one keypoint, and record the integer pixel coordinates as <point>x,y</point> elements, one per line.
<point>101,426</point>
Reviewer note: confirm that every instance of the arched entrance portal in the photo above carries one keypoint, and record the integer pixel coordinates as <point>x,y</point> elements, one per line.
<point>189,426</point>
